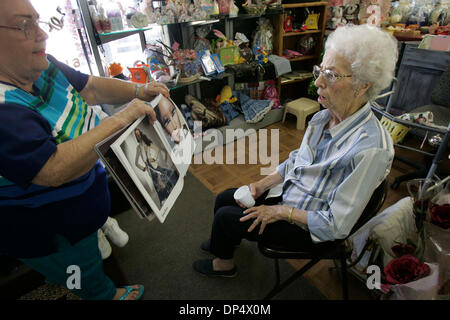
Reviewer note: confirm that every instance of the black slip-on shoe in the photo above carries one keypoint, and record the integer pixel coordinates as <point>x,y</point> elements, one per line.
<point>206,246</point>
<point>205,267</point>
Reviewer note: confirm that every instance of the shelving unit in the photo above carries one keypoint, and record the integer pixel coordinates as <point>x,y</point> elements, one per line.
<point>112,36</point>
<point>184,34</point>
<point>288,40</point>
<point>97,40</point>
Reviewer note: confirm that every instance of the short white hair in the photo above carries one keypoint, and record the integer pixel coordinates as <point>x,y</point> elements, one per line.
<point>371,52</point>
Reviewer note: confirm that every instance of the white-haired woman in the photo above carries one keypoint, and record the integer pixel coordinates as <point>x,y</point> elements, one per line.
<point>345,154</point>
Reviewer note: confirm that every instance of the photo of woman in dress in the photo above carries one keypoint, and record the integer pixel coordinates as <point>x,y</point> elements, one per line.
<point>150,158</point>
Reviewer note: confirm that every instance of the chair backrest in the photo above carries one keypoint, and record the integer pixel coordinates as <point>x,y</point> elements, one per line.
<point>441,92</point>
<point>373,206</point>
<point>418,74</point>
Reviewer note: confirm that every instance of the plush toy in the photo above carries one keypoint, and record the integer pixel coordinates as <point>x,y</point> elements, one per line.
<point>351,13</point>
<point>224,6</point>
<point>139,20</point>
<point>201,43</point>
<point>329,16</point>
<point>338,17</point>
<point>116,71</point>
<point>396,16</point>
<point>374,12</point>
<point>226,94</point>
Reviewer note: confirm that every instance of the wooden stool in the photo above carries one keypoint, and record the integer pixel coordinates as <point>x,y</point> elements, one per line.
<point>301,108</point>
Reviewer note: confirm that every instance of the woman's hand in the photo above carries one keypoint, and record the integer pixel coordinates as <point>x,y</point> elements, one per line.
<point>134,110</point>
<point>262,214</point>
<point>152,89</point>
<point>256,190</point>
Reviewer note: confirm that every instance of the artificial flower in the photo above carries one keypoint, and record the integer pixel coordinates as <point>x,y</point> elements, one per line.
<point>405,269</point>
<point>440,215</point>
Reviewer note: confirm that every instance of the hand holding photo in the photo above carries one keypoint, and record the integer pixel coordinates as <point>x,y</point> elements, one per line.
<point>141,161</point>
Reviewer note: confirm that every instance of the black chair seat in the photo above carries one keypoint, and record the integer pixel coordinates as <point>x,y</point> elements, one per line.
<point>331,250</point>
<point>328,250</point>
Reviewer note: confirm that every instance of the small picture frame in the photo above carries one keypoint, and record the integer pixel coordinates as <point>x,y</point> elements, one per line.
<point>219,66</point>
<point>207,63</point>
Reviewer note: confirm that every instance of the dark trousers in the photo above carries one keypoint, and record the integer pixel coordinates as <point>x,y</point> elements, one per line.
<point>227,231</point>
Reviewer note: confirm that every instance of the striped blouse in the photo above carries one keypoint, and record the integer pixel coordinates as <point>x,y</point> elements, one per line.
<point>335,171</point>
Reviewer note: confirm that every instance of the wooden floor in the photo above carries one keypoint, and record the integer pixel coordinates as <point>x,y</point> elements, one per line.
<point>218,177</point>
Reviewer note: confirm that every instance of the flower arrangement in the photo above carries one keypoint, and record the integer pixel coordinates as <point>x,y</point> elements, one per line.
<point>184,60</point>
<point>440,215</point>
<point>408,276</point>
<point>184,55</point>
<point>404,270</point>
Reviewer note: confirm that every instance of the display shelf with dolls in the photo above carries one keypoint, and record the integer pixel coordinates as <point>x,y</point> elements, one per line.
<point>301,45</point>
<point>176,68</point>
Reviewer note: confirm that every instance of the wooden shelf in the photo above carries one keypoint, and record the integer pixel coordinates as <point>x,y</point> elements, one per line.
<point>202,79</point>
<point>296,76</point>
<point>302,58</point>
<point>293,34</point>
<point>287,40</point>
<point>284,82</point>
<point>304,4</point>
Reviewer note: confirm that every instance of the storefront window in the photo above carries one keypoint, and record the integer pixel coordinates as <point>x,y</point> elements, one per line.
<point>64,44</point>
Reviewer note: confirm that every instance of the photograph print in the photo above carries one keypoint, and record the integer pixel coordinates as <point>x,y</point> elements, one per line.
<point>176,131</point>
<point>149,164</point>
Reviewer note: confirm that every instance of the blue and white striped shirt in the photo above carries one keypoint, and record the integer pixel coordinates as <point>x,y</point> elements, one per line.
<point>334,172</point>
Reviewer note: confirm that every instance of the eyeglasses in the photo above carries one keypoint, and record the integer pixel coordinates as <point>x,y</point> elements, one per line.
<point>329,76</point>
<point>30,27</point>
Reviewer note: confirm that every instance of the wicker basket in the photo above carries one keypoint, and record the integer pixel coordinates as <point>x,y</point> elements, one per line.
<point>396,130</point>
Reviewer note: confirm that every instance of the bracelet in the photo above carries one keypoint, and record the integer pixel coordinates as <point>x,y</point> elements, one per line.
<point>137,91</point>
<point>290,216</point>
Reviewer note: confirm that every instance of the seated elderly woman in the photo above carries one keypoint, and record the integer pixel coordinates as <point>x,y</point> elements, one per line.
<point>345,154</point>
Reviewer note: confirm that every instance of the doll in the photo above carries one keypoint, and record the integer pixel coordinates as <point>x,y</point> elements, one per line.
<point>374,12</point>
<point>201,43</point>
<point>338,17</point>
<point>351,13</point>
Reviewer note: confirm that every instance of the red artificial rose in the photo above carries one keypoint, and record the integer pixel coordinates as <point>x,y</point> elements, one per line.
<point>440,215</point>
<point>402,249</point>
<point>405,269</point>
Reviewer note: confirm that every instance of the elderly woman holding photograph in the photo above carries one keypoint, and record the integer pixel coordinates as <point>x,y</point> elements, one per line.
<point>54,192</point>
<point>345,154</point>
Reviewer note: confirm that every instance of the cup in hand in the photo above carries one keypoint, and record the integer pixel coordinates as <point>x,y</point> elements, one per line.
<point>244,196</point>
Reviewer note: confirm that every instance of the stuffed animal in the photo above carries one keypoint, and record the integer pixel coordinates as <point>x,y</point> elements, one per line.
<point>351,13</point>
<point>374,12</point>
<point>329,16</point>
<point>396,16</point>
<point>338,17</point>
<point>201,43</point>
